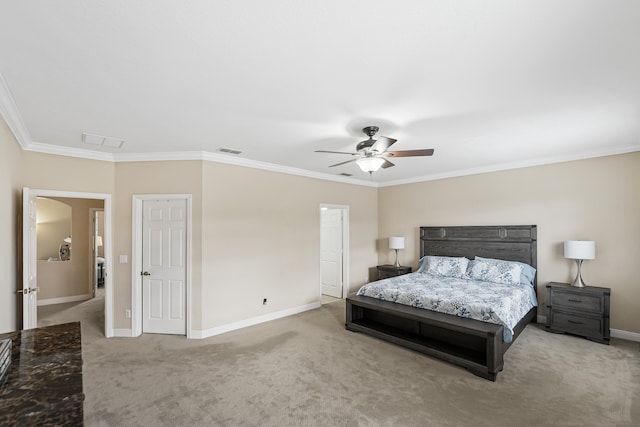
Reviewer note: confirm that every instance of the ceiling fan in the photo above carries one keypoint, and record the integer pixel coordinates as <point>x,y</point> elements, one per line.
<point>372,153</point>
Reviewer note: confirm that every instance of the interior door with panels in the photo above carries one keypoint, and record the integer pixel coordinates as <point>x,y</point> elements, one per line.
<point>164,257</point>
<point>331,252</point>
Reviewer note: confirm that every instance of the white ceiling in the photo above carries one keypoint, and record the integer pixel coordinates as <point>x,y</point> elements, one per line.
<point>488,84</point>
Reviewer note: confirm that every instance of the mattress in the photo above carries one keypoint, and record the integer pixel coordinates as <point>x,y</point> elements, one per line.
<point>490,302</point>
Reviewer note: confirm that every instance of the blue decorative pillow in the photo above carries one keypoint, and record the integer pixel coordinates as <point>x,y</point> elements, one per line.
<point>495,271</point>
<point>528,275</point>
<point>444,266</point>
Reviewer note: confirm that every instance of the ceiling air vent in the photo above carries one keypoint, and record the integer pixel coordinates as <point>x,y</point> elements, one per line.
<point>104,141</point>
<point>229,151</point>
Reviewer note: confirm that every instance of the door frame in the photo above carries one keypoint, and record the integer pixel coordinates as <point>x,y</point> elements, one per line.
<point>136,259</point>
<point>345,247</point>
<point>106,198</point>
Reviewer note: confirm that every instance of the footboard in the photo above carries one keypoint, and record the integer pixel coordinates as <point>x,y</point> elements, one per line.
<point>471,344</point>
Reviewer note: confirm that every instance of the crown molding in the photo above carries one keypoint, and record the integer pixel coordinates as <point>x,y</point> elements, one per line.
<point>222,158</point>
<point>189,155</point>
<point>516,165</point>
<point>11,115</point>
<point>69,152</point>
<point>239,161</point>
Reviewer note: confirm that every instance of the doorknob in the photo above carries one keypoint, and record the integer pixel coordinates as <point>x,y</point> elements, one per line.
<point>146,273</point>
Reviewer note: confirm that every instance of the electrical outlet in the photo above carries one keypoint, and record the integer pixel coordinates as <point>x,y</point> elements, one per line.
<point>127,314</point>
<point>264,301</point>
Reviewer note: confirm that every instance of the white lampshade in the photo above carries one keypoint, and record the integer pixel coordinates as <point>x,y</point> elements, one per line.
<point>396,242</point>
<point>580,249</point>
<point>370,164</point>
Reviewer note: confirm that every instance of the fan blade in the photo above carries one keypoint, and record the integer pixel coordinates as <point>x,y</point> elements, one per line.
<point>382,144</point>
<point>343,163</point>
<point>335,152</point>
<point>410,153</point>
<point>387,164</point>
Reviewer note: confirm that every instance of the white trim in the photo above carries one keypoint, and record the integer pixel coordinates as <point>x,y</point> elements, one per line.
<point>62,300</point>
<point>625,335</point>
<point>188,155</point>
<point>345,247</point>
<point>239,161</point>
<point>11,115</point>
<point>61,150</point>
<point>122,333</point>
<point>612,151</point>
<point>108,254</point>
<point>136,259</point>
<point>206,333</point>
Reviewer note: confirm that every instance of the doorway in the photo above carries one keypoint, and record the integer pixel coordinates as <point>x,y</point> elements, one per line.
<point>31,289</point>
<point>334,252</point>
<point>161,260</point>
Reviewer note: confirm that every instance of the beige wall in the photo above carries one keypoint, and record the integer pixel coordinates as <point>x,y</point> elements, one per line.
<point>142,178</point>
<point>262,240</point>
<point>10,190</point>
<point>61,279</point>
<point>596,199</point>
<point>255,235</point>
<point>256,232</point>
<point>271,218</point>
<point>53,172</point>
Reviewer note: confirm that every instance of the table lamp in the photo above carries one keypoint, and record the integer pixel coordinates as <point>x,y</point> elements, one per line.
<point>396,243</point>
<point>579,250</point>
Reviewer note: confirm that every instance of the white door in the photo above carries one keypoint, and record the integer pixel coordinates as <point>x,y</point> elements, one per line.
<point>29,261</point>
<point>331,252</point>
<point>164,231</point>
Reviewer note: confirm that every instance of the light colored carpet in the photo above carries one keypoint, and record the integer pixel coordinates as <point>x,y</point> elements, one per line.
<point>307,370</point>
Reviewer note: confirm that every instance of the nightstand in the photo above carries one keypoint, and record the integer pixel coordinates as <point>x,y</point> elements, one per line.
<point>578,311</point>
<point>386,271</point>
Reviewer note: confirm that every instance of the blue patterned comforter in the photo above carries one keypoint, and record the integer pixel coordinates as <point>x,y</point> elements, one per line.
<point>489,302</point>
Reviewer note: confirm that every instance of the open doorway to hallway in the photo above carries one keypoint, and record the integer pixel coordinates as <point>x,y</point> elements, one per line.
<point>70,257</point>
<point>59,273</point>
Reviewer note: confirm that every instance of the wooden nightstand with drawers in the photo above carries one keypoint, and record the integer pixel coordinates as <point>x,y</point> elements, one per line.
<point>578,311</point>
<point>386,271</point>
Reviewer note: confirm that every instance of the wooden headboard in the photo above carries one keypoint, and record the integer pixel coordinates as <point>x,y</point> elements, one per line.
<point>507,242</point>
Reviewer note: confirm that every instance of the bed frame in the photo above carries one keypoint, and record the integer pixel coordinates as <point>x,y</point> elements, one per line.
<point>472,344</point>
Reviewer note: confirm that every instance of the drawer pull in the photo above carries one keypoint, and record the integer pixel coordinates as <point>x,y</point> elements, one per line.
<point>577,323</point>
<point>574,300</point>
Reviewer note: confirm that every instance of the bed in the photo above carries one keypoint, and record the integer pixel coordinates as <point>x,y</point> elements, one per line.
<point>476,345</point>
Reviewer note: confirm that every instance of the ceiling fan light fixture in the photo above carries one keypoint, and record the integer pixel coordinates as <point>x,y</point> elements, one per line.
<point>370,164</point>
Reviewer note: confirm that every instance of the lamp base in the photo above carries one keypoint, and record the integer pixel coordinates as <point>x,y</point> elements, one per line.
<point>578,282</point>
<point>397,263</point>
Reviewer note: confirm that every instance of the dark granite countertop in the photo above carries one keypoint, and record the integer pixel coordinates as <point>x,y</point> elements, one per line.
<point>44,383</point>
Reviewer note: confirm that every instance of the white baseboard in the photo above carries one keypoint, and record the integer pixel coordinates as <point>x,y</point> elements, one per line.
<point>206,333</point>
<point>625,335</point>
<point>615,333</point>
<point>62,300</point>
<point>122,333</point>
